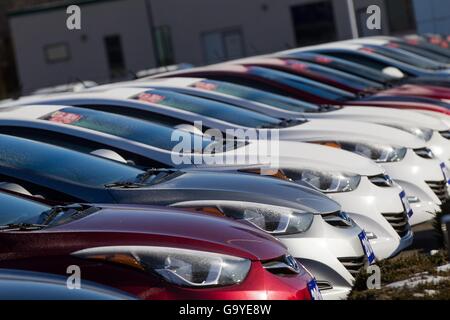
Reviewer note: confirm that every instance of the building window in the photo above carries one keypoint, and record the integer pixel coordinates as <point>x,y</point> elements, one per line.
<point>114,54</point>
<point>57,52</point>
<point>313,23</point>
<point>401,16</point>
<point>223,45</point>
<point>164,47</point>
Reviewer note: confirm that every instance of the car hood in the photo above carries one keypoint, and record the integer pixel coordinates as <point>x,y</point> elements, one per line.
<point>389,117</point>
<point>342,130</point>
<point>212,186</point>
<point>300,155</point>
<point>145,225</point>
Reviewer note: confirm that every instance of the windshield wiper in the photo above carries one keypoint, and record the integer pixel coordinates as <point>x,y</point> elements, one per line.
<point>155,175</point>
<point>125,184</point>
<point>50,215</point>
<point>22,226</point>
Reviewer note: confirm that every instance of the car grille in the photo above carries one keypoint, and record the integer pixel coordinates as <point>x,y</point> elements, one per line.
<point>281,266</point>
<point>381,180</point>
<point>424,153</point>
<point>324,285</point>
<point>354,264</point>
<point>440,189</point>
<point>398,221</point>
<point>445,134</point>
<point>338,219</point>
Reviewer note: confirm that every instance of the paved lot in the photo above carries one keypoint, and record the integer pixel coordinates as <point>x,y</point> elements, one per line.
<point>424,239</point>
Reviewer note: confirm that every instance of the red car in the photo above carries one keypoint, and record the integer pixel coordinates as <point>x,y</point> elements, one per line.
<point>150,252</point>
<point>308,90</point>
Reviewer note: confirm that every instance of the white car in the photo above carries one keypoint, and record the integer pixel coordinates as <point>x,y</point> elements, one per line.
<point>376,203</point>
<point>404,156</point>
<point>430,127</point>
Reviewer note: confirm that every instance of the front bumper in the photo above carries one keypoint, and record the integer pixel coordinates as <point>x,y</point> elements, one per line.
<point>418,176</point>
<point>259,284</point>
<point>368,206</point>
<point>320,250</point>
<point>440,147</point>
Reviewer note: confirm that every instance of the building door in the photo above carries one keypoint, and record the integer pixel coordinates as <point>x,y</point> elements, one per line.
<point>115,57</point>
<point>313,23</point>
<point>401,16</point>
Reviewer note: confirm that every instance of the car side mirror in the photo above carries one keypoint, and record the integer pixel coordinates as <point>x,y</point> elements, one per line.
<point>14,187</point>
<point>109,154</point>
<point>393,72</point>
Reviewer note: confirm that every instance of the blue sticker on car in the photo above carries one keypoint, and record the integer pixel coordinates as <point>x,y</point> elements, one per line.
<point>367,247</point>
<point>445,172</point>
<point>314,290</point>
<point>406,204</point>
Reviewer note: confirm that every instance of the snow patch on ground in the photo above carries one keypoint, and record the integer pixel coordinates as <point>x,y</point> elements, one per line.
<point>421,278</point>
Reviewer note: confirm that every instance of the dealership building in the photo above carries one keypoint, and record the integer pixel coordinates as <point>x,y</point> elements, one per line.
<point>120,37</point>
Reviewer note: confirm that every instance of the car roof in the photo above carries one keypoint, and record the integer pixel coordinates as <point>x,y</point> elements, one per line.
<point>29,112</point>
<point>147,82</point>
<point>216,67</point>
<point>116,93</point>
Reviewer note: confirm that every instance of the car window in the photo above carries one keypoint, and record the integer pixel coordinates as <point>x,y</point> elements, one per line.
<point>209,108</point>
<point>421,52</point>
<point>359,58</point>
<point>18,210</point>
<point>302,84</point>
<point>271,99</point>
<point>335,75</point>
<point>344,65</point>
<point>44,160</point>
<point>402,57</point>
<point>149,133</point>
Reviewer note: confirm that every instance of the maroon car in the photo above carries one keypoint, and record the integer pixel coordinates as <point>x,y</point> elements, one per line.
<point>150,252</point>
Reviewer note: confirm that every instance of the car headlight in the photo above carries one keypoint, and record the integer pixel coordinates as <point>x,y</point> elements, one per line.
<point>422,133</point>
<point>269,218</point>
<point>376,152</point>
<point>181,267</point>
<point>328,182</point>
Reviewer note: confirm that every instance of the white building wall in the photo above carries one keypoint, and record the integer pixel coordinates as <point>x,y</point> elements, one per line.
<point>31,32</point>
<point>266,26</point>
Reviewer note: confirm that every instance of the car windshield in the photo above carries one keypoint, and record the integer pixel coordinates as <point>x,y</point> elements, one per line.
<point>300,83</point>
<point>244,92</point>
<point>208,108</point>
<point>337,76</point>
<point>14,210</point>
<point>421,52</point>
<point>344,65</point>
<point>405,58</point>
<point>146,132</point>
<point>47,161</point>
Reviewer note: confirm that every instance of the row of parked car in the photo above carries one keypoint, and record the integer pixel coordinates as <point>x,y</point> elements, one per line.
<point>88,179</point>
